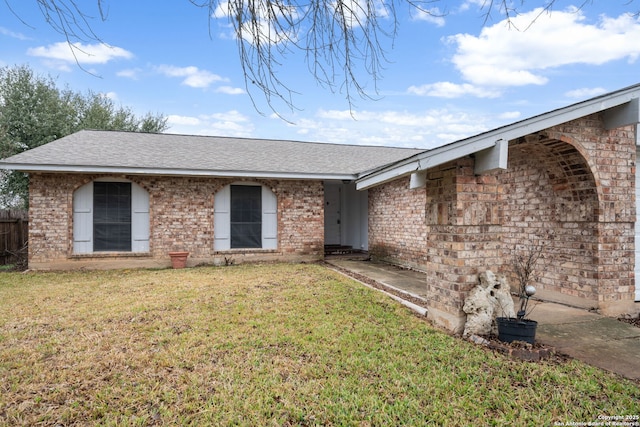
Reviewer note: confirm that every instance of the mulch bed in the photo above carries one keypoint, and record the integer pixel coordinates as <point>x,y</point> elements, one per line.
<point>523,351</point>
<point>632,321</point>
<point>517,349</point>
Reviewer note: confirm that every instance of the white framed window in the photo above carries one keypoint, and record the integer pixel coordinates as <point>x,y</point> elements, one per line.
<point>110,216</point>
<point>245,217</point>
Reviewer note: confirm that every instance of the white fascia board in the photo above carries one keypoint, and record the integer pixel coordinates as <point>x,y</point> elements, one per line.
<point>423,161</point>
<point>174,172</point>
<point>488,139</point>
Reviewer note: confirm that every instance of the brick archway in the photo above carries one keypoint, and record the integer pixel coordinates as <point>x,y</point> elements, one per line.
<point>550,199</point>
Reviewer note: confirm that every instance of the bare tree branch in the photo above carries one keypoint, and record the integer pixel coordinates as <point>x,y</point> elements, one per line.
<point>344,42</point>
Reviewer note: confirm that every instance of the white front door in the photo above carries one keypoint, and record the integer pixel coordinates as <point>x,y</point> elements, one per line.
<point>637,270</point>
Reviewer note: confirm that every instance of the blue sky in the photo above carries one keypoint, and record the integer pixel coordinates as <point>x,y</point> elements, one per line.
<point>448,76</point>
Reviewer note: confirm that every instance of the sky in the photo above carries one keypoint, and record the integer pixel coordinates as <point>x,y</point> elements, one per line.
<point>450,74</point>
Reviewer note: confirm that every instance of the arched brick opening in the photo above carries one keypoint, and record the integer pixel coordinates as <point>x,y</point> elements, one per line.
<point>550,199</point>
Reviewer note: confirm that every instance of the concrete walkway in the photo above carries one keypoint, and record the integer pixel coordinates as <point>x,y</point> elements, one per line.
<point>594,339</point>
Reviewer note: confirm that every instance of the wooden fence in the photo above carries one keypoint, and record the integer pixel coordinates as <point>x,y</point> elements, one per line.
<point>14,225</point>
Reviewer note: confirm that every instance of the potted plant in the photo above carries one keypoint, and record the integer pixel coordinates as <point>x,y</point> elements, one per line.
<point>520,328</point>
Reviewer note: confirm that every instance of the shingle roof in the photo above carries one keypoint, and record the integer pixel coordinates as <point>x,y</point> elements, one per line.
<point>104,151</point>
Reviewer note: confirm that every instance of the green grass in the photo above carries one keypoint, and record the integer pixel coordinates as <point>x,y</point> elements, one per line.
<point>262,345</point>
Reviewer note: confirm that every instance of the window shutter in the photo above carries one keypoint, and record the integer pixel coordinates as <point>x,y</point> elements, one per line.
<point>269,219</point>
<point>139,219</point>
<point>222,219</point>
<point>83,219</point>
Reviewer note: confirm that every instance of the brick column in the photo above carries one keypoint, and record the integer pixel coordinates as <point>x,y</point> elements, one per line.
<point>463,237</point>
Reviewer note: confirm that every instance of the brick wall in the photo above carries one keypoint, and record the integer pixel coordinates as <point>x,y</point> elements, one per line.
<point>397,230</point>
<point>181,218</point>
<point>450,229</point>
<point>570,188</point>
<point>50,209</point>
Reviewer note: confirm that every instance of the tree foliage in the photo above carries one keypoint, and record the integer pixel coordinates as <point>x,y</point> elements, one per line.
<point>34,111</point>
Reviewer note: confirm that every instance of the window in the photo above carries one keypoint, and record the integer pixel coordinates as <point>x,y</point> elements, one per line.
<point>110,216</point>
<point>245,217</point>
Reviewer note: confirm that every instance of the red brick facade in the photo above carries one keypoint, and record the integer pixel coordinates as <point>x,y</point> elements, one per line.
<point>397,231</point>
<point>570,188</point>
<point>181,218</point>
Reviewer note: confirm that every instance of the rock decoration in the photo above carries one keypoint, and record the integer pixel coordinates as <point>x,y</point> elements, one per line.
<point>490,298</point>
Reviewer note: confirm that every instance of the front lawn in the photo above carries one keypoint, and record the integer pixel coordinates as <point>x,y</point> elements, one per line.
<point>262,345</point>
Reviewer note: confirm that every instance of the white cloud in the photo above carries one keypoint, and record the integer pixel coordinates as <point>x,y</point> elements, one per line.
<point>229,128</point>
<point>433,16</point>
<point>177,120</point>
<point>7,32</point>
<point>468,3</point>
<point>65,53</point>
<point>426,129</point>
<point>228,123</point>
<point>452,90</point>
<point>356,11</point>
<point>510,115</point>
<point>585,92</point>
<point>229,116</point>
<point>335,114</point>
<point>192,76</point>
<point>132,73</point>
<point>228,90</point>
<point>518,53</point>
<point>258,21</point>
<point>221,11</point>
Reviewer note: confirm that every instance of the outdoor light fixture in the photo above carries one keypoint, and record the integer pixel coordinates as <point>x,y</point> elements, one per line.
<point>529,291</point>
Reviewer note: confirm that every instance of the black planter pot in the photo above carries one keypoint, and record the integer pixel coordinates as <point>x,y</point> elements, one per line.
<point>511,329</point>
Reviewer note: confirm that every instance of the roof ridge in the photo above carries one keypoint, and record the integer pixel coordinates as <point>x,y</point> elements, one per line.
<point>226,137</point>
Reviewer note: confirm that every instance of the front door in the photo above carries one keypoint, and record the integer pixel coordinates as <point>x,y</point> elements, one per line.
<point>332,214</point>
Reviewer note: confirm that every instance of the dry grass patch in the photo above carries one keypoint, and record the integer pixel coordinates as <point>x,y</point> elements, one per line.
<point>261,345</point>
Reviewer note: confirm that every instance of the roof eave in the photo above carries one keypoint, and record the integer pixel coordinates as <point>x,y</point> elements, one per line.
<point>24,167</point>
<point>468,146</point>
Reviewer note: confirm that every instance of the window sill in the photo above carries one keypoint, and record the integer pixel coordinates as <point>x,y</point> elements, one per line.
<point>246,251</point>
<point>111,255</point>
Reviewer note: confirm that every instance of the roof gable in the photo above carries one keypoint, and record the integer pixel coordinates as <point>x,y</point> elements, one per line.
<point>619,108</point>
